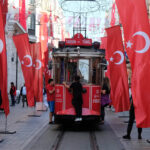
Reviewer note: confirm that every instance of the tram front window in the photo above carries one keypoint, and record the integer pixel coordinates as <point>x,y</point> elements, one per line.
<point>84,70</point>
<point>72,71</point>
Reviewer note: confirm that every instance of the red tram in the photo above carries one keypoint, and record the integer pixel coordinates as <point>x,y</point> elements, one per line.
<point>78,56</point>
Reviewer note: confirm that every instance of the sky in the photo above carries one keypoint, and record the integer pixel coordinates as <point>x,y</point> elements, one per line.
<point>95,20</point>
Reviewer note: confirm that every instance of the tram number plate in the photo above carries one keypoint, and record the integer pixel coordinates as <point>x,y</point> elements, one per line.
<point>59,94</point>
<point>96,94</point>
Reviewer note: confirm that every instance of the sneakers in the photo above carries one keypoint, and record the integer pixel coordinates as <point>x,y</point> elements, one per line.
<point>126,137</point>
<point>78,119</point>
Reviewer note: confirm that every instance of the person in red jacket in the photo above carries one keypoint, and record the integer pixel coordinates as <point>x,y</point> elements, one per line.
<point>12,93</point>
<point>51,98</point>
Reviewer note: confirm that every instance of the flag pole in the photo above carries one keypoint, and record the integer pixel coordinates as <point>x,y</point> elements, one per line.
<point>6,131</point>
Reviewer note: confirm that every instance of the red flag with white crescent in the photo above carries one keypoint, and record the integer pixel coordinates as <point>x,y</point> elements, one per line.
<point>3,67</point>
<point>37,71</point>
<point>118,70</point>
<point>48,71</point>
<point>22,13</point>
<point>113,18</point>
<point>44,35</point>
<point>23,49</point>
<point>134,18</point>
<point>51,24</point>
<point>4,4</point>
<point>103,43</point>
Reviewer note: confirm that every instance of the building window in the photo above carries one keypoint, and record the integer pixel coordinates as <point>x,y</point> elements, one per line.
<point>31,24</point>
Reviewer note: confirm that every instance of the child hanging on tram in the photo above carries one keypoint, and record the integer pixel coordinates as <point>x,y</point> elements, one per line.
<point>77,101</point>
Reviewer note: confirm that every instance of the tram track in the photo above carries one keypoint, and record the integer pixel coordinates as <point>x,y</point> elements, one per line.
<point>60,138</point>
<point>93,141</point>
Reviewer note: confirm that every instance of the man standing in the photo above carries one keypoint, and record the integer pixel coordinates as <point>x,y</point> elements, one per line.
<point>12,94</point>
<point>130,123</point>
<point>77,90</point>
<point>24,95</point>
<point>51,98</point>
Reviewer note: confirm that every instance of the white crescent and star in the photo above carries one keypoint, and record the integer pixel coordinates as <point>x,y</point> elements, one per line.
<point>39,64</point>
<point>147,42</point>
<point>28,57</point>
<point>121,60</point>
<point>1,46</point>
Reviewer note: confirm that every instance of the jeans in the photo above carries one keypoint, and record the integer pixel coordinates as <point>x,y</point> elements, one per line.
<point>12,100</point>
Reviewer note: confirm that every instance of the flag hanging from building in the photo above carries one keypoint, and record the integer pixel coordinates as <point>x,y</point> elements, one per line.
<point>22,44</point>
<point>4,4</point>
<point>113,18</point>
<point>48,70</point>
<point>103,43</point>
<point>118,70</point>
<point>37,71</point>
<point>22,13</point>
<point>133,15</point>
<point>44,35</point>
<point>51,24</point>
<point>3,66</point>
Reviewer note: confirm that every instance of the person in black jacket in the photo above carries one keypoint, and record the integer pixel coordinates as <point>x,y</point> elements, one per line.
<point>77,101</point>
<point>105,94</point>
<point>130,123</point>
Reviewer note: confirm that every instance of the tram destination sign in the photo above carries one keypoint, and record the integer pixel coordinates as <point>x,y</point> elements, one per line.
<point>78,40</point>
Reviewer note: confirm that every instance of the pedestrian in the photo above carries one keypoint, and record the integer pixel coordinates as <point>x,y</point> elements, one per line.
<point>51,98</point>
<point>24,95</point>
<point>77,101</point>
<point>130,123</point>
<point>105,97</point>
<point>12,93</point>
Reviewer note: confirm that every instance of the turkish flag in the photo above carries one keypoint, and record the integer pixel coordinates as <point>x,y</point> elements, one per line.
<point>113,18</point>
<point>51,24</point>
<point>37,71</point>
<point>104,46</point>
<point>118,70</point>
<point>3,67</point>
<point>103,43</point>
<point>22,44</point>
<point>44,35</point>
<point>22,13</point>
<point>48,71</point>
<point>135,23</point>
<point>4,4</point>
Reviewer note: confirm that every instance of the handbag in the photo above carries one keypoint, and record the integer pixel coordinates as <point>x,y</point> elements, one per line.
<point>105,100</point>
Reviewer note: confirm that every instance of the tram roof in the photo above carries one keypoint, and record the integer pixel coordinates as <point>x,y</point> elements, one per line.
<point>78,52</point>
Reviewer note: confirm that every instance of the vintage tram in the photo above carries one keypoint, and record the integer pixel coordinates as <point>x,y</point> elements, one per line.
<point>78,56</point>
